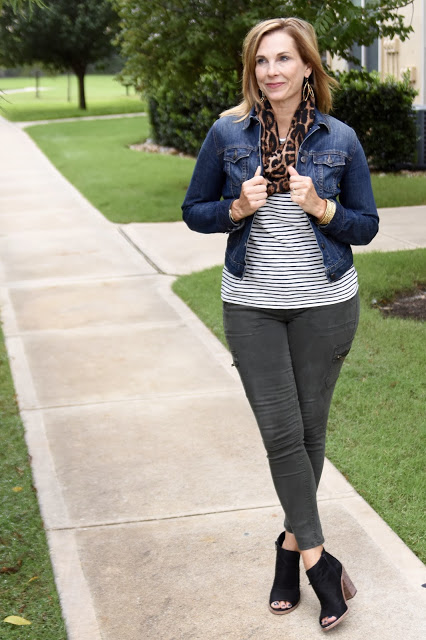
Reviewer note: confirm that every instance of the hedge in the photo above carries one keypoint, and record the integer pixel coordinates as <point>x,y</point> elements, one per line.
<point>382,115</point>
<point>380,112</point>
<point>181,118</point>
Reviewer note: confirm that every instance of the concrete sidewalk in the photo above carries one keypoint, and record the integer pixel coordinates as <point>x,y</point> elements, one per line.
<point>159,528</point>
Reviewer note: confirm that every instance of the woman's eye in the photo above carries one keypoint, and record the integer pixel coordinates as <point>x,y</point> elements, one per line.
<point>260,61</point>
<point>283,58</point>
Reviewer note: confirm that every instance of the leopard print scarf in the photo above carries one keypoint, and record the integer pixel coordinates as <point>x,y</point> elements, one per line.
<point>276,155</point>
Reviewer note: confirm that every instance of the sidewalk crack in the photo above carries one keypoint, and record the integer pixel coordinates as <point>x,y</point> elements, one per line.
<point>139,250</point>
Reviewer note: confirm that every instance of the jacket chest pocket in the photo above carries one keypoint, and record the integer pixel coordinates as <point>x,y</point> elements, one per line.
<point>328,171</point>
<point>236,163</point>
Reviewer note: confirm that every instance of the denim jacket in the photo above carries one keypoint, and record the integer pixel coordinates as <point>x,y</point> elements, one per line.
<point>330,154</point>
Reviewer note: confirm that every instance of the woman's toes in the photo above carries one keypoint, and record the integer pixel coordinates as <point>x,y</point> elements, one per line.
<point>281,605</point>
<point>327,621</point>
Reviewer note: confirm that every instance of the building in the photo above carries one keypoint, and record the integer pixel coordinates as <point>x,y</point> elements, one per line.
<point>396,57</point>
<point>392,57</point>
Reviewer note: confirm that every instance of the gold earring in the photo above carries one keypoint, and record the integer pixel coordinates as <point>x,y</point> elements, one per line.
<point>261,95</point>
<point>307,91</point>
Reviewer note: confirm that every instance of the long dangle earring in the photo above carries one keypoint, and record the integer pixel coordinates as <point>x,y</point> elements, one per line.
<point>262,95</point>
<point>307,91</point>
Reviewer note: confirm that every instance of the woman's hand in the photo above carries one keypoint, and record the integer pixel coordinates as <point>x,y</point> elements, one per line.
<point>303,193</point>
<point>253,196</point>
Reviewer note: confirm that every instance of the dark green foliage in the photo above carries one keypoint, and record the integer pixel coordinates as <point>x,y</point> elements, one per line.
<point>380,112</point>
<point>186,54</point>
<point>178,41</point>
<point>382,115</point>
<point>180,118</point>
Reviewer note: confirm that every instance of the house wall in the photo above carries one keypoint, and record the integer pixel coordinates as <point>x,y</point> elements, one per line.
<point>395,56</point>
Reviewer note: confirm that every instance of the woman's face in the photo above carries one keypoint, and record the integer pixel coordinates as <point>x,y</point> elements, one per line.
<point>280,70</point>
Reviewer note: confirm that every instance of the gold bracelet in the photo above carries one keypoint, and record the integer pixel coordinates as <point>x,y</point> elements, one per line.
<point>329,212</point>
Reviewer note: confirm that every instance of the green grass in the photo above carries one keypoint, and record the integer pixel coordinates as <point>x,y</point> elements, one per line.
<point>125,185</point>
<point>377,431</point>
<point>399,189</point>
<point>104,96</point>
<point>131,186</point>
<point>27,584</point>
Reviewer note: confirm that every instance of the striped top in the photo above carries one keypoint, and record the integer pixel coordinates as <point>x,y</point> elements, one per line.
<point>284,266</point>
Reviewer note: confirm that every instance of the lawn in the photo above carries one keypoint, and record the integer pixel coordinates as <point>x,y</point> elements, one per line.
<point>134,186</point>
<point>27,585</point>
<point>403,189</point>
<point>104,96</point>
<point>375,435</point>
<point>125,185</point>
<point>377,432</point>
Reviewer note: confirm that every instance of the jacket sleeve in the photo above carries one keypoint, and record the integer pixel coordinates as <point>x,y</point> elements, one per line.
<point>356,220</point>
<point>203,209</point>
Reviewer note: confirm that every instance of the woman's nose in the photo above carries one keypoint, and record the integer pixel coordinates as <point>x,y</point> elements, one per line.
<point>272,69</point>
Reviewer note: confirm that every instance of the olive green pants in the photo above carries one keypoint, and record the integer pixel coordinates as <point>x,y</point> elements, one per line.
<point>289,361</point>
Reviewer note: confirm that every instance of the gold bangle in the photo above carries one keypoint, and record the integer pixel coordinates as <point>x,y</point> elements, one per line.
<point>329,212</point>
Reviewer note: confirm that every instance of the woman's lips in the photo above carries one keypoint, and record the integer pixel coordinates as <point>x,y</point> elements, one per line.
<point>274,85</point>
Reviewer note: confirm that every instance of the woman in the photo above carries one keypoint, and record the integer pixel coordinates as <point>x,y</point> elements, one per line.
<point>291,186</point>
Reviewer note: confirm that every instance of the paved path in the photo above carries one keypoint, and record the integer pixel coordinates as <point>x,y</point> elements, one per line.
<point>111,116</point>
<point>158,528</point>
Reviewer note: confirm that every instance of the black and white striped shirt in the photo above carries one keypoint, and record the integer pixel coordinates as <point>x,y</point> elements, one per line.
<point>284,266</point>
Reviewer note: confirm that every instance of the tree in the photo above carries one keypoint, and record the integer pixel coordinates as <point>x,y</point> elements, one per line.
<point>59,34</point>
<point>17,4</point>
<point>182,39</point>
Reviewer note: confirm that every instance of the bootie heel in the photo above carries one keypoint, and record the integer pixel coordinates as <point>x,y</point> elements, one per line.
<point>349,589</point>
<point>287,575</point>
<point>333,587</point>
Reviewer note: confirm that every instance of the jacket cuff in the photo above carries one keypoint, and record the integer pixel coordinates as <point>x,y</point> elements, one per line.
<point>336,223</point>
<point>231,225</point>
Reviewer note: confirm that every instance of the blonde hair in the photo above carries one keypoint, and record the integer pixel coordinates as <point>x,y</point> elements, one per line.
<point>305,39</point>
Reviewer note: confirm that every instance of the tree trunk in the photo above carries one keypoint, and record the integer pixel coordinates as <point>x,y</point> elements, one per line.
<point>37,83</point>
<point>81,93</point>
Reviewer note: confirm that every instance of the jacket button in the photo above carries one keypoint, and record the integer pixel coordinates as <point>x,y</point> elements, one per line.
<point>333,275</point>
<point>322,245</point>
<point>303,159</point>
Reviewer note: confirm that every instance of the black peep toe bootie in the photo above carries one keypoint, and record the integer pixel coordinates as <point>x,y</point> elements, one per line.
<point>286,581</point>
<point>333,588</point>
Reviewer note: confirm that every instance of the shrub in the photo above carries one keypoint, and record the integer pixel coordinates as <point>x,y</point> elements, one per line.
<point>381,114</point>
<point>180,118</point>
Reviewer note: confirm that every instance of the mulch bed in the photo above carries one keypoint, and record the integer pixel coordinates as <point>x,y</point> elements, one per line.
<point>411,305</point>
<point>150,147</point>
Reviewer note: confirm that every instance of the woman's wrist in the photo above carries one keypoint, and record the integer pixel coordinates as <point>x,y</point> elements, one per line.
<point>233,213</point>
<point>320,209</point>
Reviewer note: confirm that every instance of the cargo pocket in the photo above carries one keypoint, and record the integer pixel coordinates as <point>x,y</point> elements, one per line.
<point>235,361</point>
<point>339,355</point>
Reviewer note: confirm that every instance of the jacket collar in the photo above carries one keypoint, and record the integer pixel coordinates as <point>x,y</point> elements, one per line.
<point>251,118</point>
<point>320,119</point>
